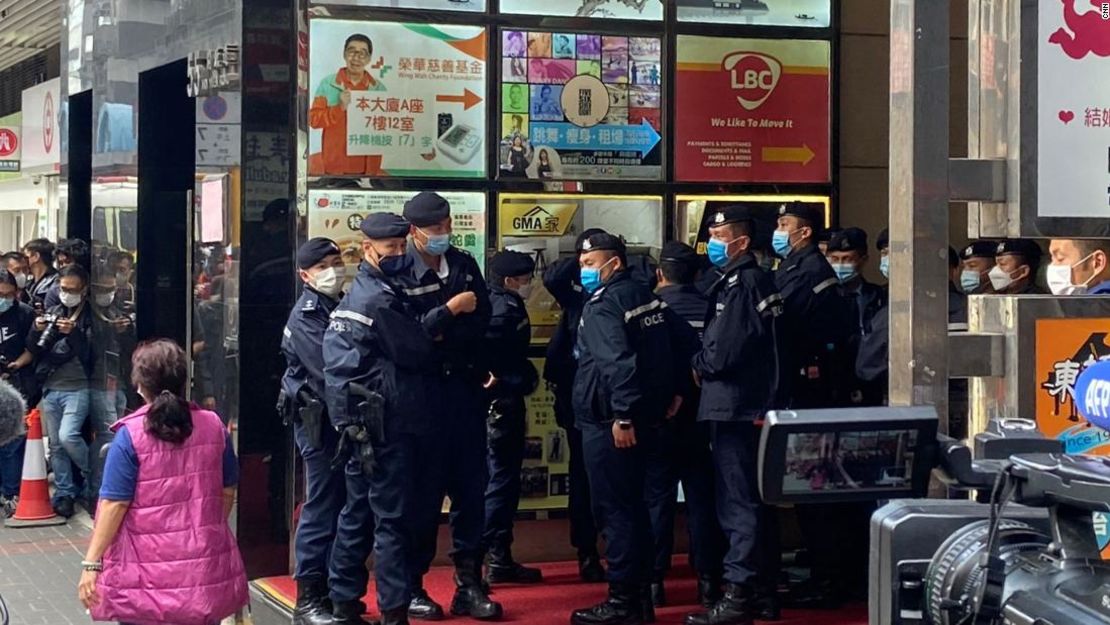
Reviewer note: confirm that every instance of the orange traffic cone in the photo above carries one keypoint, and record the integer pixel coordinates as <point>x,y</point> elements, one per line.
<point>34,509</point>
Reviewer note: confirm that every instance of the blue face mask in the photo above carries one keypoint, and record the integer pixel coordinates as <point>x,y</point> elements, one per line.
<point>884,267</point>
<point>844,271</point>
<point>6,304</point>
<point>718,252</point>
<point>393,266</point>
<point>969,280</point>
<point>437,244</point>
<point>591,277</point>
<point>780,242</point>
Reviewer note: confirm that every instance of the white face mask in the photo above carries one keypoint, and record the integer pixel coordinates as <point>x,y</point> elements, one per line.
<point>105,300</point>
<point>20,280</point>
<point>999,278</point>
<point>524,291</point>
<point>330,281</point>
<point>69,300</point>
<point>1059,278</point>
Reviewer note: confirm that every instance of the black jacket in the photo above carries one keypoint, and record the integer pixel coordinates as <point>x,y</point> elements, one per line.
<point>303,344</point>
<point>740,363</point>
<point>15,327</point>
<point>507,339</point>
<point>65,347</point>
<point>689,307</point>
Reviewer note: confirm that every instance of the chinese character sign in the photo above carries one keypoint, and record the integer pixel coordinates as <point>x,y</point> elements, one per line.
<point>392,99</point>
<point>1065,347</point>
<point>580,106</point>
<point>610,9</point>
<point>337,214</point>
<point>752,110</point>
<point>805,13</point>
<point>1073,110</point>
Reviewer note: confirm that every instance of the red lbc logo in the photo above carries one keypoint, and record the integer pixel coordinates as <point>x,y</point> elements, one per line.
<point>9,142</point>
<point>754,77</point>
<point>48,122</point>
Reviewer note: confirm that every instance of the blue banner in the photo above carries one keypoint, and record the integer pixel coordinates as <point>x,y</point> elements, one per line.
<point>607,137</point>
<point>1092,394</point>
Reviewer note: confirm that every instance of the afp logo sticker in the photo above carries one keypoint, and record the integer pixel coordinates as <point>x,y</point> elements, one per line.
<point>753,77</point>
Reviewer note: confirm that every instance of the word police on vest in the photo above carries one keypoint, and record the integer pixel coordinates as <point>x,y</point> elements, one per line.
<point>1093,392</point>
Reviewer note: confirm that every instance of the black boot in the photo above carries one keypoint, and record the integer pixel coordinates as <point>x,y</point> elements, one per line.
<point>502,569</point>
<point>396,616</point>
<point>624,606</point>
<point>767,605</point>
<point>349,613</point>
<point>311,608</point>
<point>709,591</point>
<point>647,602</point>
<point>590,569</point>
<point>471,598</point>
<point>735,608</point>
<point>423,608</point>
<point>658,594</point>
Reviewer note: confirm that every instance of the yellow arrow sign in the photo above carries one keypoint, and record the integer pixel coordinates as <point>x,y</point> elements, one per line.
<point>802,155</point>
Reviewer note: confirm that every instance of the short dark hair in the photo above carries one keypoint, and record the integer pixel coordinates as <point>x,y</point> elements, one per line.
<point>679,273</point>
<point>74,271</point>
<point>43,247</point>
<point>10,256</point>
<point>119,255</point>
<point>953,258</point>
<point>1087,247</point>
<point>6,277</point>
<point>362,38</point>
<point>76,249</point>
<point>159,367</point>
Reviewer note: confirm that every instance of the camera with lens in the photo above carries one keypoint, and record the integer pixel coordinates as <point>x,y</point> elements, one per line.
<point>50,333</point>
<point>1026,554</point>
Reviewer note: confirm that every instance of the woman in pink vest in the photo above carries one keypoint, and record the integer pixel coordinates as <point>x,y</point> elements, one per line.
<point>162,551</point>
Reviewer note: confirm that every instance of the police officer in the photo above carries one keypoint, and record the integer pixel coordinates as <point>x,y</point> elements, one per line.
<point>383,389</point>
<point>686,444</point>
<point>511,378</point>
<point>562,281</point>
<point>455,462</point>
<point>740,368</point>
<point>624,389</point>
<point>977,260</point>
<point>806,281</point>
<point>1015,271</point>
<point>847,254</point>
<point>321,269</point>
<point>871,354</point>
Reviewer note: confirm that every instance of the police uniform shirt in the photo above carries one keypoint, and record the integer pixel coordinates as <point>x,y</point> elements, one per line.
<point>626,361</point>
<point>688,303</point>
<point>375,339</point>
<point>740,362</point>
<point>507,340</point>
<point>302,341</point>
<point>816,315</point>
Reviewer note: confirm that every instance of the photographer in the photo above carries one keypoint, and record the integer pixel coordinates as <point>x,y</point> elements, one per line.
<point>16,319</point>
<point>61,340</point>
<point>40,260</point>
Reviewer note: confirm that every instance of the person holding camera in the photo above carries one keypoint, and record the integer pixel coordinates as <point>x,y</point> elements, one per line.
<point>16,319</point>
<point>61,340</point>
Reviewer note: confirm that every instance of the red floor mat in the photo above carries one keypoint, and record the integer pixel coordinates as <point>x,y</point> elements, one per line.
<point>551,603</point>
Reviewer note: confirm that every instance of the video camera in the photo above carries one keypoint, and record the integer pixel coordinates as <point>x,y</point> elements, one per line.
<point>1030,556</point>
<point>50,332</point>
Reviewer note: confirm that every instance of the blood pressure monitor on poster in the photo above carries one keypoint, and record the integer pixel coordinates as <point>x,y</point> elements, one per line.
<point>460,143</point>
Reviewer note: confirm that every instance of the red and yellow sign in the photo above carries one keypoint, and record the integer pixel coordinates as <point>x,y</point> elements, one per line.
<point>752,110</point>
<point>1064,348</point>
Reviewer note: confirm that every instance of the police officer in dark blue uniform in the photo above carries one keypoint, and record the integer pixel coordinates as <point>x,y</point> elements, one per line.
<point>512,377</point>
<point>847,253</point>
<point>625,387</point>
<point>740,367</point>
<point>455,462</point>
<point>1017,262</point>
<point>383,389</point>
<point>976,262</point>
<point>687,456</point>
<point>321,268</point>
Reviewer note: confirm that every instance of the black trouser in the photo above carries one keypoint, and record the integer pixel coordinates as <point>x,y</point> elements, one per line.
<point>506,456</point>
<point>583,528</point>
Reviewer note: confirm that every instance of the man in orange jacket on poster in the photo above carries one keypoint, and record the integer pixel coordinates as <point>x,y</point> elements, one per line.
<point>329,112</point>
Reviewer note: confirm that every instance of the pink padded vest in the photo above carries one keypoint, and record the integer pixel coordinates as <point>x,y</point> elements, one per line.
<point>174,560</point>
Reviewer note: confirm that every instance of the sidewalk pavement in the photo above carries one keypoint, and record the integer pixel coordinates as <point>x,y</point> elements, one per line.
<point>39,569</point>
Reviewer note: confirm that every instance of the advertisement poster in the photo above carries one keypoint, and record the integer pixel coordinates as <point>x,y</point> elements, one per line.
<point>612,9</point>
<point>695,211</point>
<point>338,213</point>
<point>1073,110</point>
<point>392,99</point>
<point>1064,348</point>
<point>545,474</point>
<point>435,5</point>
<point>9,148</point>
<point>41,134</point>
<point>545,227</point>
<point>580,106</point>
<point>752,110</point>
<point>806,13</point>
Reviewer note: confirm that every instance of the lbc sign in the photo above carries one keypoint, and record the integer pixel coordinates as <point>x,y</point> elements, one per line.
<point>754,77</point>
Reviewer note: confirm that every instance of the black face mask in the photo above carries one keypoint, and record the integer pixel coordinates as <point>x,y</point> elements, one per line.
<point>393,266</point>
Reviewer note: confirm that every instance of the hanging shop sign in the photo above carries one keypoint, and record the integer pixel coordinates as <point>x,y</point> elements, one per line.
<point>1065,347</point>
<point>1073,110</point>
<point>805,13</point>
<point>612,9</point>
<point>40,133</point>
<point>392,99</point>
<point>752,110</point>
<point>9,149</point>
<point>580,106</point>
<point>337,215</point>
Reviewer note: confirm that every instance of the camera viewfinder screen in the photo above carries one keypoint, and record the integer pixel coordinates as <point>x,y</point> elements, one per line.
<point>849,461</point>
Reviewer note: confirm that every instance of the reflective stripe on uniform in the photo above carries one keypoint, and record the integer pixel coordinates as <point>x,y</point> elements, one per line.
<point>285,331</point>
<point>824,285</point>
<point>353,316</point>
<point>697,324</point>
<point>768,301</point>
<point>422,290</point>
<point>639,310</point>
<point>523,323</point>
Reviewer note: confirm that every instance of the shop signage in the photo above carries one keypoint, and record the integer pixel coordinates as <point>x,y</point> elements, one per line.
<point>9,149</point>
<point>805,13</point>
<point>1065,347</point>
<point>580,106</point>
<point>752,110</point>
<point>1073,110</point>
<point>41,135</point>
<point>409,103</point>
<point>219,133</point>
<point>545,476</point>
<point>539,220</point>
<point>611,9</point>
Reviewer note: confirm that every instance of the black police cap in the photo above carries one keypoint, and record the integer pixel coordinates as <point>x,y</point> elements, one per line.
<point>678,253</point>
<point>585,234</point>
<point>848,240</point>
<point>883,241</point>
<point>604,241</point>
<point>979,249</point>
<point>824,236</point>
<point>427,209</point>
<point>1027,249</point>
<point>509,264</point>
<point>730,214</point>
<point>314,251</point>
<point>809,212</point>
<point>384,226</point>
